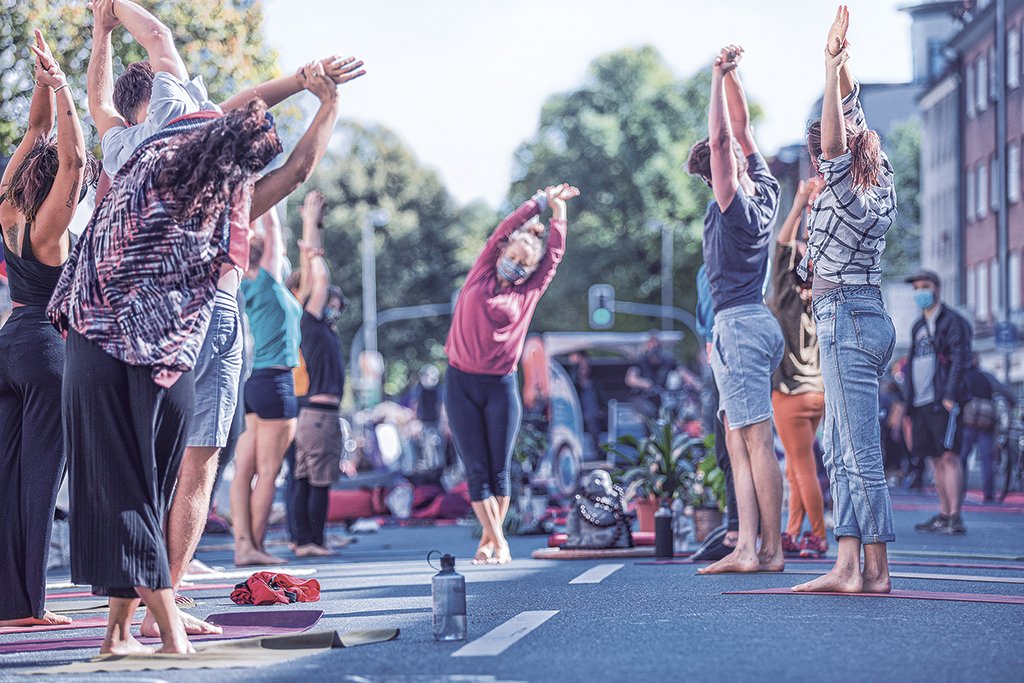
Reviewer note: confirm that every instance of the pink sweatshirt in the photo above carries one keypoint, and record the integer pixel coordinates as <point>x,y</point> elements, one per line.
<point>489,325</point>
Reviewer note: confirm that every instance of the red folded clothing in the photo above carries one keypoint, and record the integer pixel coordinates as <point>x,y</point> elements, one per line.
<point>268,588</point>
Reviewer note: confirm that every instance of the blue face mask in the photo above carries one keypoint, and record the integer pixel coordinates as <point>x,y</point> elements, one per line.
<point>331,314</point>
<point>510,271</point>
<point>924,298</point>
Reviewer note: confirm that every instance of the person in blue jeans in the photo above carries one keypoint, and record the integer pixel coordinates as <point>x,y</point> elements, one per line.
<point>747,342</point>
<point>847,230</point>
<point>980,419</point>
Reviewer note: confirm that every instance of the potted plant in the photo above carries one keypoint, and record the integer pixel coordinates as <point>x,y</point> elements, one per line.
<point>659,467</point>
<point>707,495</point>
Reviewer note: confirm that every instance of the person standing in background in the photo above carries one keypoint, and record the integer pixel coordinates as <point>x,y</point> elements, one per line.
<point>980,421</point>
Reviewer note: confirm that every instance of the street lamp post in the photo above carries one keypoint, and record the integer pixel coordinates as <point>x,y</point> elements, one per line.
<point>666,271</point>
<point>375,219</point>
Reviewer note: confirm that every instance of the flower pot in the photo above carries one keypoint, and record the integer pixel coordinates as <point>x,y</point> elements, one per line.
<point>705,520</point>
<point>645,508</point>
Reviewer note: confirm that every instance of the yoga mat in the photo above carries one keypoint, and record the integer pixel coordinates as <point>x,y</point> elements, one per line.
<point>936,577</point>
<point>892,563</point>
<point>88,622</point>
<point>559,554</point>
<point>87,606</point>
<point>246,572</point>
<point>88,594</point>
<point>253,652</point>
<point>956,555</point>
<point>236,625</point>
<point>908,595</point>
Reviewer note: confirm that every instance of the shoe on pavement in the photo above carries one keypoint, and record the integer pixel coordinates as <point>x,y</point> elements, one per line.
<point>938,523</point>
<point>713,547</point>
<point>955,526</point>
<point>790,546</point>
<point>812,547</point>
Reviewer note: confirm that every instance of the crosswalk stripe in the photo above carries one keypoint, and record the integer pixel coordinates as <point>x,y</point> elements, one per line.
<point>597,574</point>
<point>506,635</point>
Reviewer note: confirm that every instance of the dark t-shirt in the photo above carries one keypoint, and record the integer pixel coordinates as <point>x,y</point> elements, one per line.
<point>654,366</point>
<point>321,350</point>
<point>800,369</point>
<point>736,240</point>
<point>428,403</point>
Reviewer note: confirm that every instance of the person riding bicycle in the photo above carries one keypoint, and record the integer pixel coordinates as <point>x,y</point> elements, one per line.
<point>648,376</point>
<point>980,421</point>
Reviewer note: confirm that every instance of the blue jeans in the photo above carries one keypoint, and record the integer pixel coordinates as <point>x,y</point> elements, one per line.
<point>856,338</point>
<point>983,440</point>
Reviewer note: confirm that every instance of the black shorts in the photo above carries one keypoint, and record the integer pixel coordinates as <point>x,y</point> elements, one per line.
<point>270,393</point>
<point>934,432</point>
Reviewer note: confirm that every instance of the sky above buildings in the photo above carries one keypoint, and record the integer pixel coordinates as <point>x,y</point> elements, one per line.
<point>463,81</point>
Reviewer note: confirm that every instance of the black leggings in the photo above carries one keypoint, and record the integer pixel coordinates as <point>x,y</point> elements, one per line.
<point>484,412</point>
<point>31,456</point>
<point>125,437</point>
<point>309,505</point>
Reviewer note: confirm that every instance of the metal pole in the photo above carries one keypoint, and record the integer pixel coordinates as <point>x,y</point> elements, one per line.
<point>666,276</point>
<point>1002,224</point>
<point>369,285</point>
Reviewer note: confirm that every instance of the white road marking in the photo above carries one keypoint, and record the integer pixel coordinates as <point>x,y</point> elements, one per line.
<point>597,574</point>
<point>506,635</point>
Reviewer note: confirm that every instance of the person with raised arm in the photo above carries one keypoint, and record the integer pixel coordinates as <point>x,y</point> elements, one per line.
<point>163,104</point>
<point>747,343</point>
<point>136,299</point>
<point>484,347</point>
<point>847,226</point>
<point>319,442</point>
<point>798,395</point>
<point>39,194</point>
<point>270,405</point>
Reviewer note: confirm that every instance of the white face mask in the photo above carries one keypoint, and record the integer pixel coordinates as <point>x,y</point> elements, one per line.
<point>510,271</point>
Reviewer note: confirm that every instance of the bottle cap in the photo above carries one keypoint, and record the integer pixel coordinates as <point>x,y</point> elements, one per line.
<point>447,562</point>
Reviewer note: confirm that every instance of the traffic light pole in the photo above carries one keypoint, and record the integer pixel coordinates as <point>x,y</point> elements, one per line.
<point>653,311</point>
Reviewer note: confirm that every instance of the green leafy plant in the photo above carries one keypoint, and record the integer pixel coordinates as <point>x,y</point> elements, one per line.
<point>662,464</point>
<point>531,444</point>
<point>709,484</point>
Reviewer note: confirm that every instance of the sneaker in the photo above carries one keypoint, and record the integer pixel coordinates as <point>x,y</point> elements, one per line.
<point>812,547</point>
<point>790,546</point>
<point>714,547</point>
<point>938,523</point>
<point>955,525</point>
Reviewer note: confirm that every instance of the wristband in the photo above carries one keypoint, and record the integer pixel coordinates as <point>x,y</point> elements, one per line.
<point>57,90</point>
<point>541,199</point>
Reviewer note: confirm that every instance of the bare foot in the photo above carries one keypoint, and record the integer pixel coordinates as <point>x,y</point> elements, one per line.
<point>771,563</point>
<point>484,554</point>
<point>128,646</point>
<point>48,619</point>
<point>312,550</point>
<point>253,558</point>
<point>877,584</point>
<point>838,580</point>
<point>734,562</point>
<point>177,647</point>
<point>194,626</point>
<point>502,555</point>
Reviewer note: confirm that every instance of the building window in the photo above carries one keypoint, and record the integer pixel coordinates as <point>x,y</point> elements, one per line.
<point>982,190</point>
<point>993,180</point>
<point>971,184</point>
<point>1013,172</point>
<point>982,291</point>
<point>969,90</point>
<point>993,82</point>
<point>1014,281</point>
<point>981,92</point>
<point>1012,58</point>
<point>970,290</point>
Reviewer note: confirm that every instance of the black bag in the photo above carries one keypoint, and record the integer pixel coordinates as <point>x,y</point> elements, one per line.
<point>980,413</point>
<point>598,519</point>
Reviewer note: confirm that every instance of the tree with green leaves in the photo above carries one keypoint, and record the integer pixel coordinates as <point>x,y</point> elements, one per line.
<point>903,243</point>
<point>623,137</point>
<point>221,41</point>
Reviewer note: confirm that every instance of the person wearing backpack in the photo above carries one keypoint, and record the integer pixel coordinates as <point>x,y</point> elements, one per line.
<point>980,420</point>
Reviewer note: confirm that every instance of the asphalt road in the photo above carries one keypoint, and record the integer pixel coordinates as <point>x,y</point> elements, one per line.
<point>641,621</point>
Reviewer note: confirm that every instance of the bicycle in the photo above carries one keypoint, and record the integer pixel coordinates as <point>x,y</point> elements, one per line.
<point>1009,465</point>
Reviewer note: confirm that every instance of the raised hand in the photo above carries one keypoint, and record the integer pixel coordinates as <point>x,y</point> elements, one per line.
<point>731,54</point>
<point>837,41</point>
<point>315,80</point>
<point>342,70</point>
<point>835,62</point>
<point>313,208</point>
<point>48,72</point>
<point>103,15</point>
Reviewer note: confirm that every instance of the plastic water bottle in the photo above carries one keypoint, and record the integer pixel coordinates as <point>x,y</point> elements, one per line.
<point>663,532</point>
<point>449,591</point>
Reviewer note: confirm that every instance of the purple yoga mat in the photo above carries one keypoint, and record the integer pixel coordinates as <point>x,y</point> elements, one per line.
<point>241,624</point>
<point>85,622</point>
<point>910,595</point>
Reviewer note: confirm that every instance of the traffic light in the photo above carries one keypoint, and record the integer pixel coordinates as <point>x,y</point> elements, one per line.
<point>601,304</point>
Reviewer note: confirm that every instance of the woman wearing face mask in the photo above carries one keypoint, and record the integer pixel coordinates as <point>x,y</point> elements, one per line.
<point>847,227</point>
<point>798,396</point>
<point>318,438</point>
<point>484,346</point>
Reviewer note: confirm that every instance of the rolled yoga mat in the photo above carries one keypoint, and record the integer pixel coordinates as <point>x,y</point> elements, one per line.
<point>236,625</point>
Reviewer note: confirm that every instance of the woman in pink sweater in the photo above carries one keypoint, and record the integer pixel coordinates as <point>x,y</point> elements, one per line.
<point>484,345</point>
